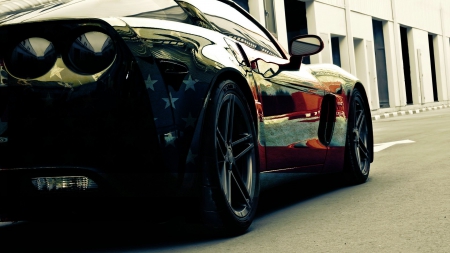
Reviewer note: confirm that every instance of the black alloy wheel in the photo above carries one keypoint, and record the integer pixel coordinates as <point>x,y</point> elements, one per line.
<point>358,151</point>
<point>231,177</point>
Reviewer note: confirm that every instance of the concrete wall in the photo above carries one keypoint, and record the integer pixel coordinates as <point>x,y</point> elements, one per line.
<point>420,14</point>
<point>336,3</point>
<point>380,9</point>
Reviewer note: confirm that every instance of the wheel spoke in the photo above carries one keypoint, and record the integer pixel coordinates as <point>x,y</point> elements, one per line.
<point>241,185</point>
<point>246,150</point>
<point>223,178</point>
<point>363,149</point>
<point>358,155</point>
<point>229,175</point>
<point>229,119</point>
<point>221,142</point>
<point>246,137</point>
<point>226,181</point>
<point>364,168</point>
<point>360,121</point>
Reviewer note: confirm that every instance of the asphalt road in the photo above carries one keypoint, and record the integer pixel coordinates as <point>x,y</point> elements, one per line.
<point>403,207</point>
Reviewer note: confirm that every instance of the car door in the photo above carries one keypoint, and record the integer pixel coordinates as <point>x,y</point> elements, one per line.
<point>291,102</point>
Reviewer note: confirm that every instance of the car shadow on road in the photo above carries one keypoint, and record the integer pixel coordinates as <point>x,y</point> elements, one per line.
<point>295,188</point>
<point>141,235</point>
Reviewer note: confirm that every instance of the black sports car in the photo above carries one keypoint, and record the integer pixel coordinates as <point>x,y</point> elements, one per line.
<point>114,106</point>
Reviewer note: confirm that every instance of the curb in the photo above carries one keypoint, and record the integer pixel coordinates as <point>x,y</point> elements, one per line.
<point>408,112</point>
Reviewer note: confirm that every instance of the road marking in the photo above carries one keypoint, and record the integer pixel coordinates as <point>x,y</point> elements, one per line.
<point>381,146</point>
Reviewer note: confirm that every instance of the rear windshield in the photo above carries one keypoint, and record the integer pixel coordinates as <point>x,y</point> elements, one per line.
<point>165,10</point>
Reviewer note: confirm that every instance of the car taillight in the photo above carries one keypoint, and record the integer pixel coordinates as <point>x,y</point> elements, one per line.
<point>91,53</point>
<point>65,183</point>
<point>31,58</point>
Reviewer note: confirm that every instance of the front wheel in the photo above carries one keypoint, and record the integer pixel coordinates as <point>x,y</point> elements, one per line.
<point>231,179</point>
<point>358,151</point>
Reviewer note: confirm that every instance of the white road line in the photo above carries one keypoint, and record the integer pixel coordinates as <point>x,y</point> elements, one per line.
<point>381,146</point>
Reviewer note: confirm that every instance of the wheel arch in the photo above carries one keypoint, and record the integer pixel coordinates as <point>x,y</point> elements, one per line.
<point>236,76</point>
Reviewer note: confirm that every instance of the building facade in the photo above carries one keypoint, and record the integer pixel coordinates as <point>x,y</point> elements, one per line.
<point>399,49</point>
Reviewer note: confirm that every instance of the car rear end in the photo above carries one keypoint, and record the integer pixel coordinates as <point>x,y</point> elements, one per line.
<point>77,132</point>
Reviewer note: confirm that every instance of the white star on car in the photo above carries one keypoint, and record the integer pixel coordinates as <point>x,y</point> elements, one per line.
<point>190,83</point>
<point>149,83</point>
<point>170,101</point>
<point>56,71</point>
<point>190,157</point>
<point>190,121</point>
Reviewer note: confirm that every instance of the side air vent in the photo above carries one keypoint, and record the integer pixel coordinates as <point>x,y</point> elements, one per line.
<point>173,72</point>
<point>327,119</point>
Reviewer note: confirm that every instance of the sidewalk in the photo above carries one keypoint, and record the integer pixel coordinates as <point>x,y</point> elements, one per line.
<point>380,115</point>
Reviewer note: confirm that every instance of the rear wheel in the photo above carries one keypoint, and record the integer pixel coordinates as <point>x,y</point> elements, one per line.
<point>358,153</point>
<point>231,180</point>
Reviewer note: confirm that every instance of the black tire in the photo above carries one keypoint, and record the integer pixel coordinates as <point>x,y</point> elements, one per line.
<point>359,142</point>
<point>230,189</point>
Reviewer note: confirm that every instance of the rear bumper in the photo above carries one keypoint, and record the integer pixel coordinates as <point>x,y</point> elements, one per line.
<point>117,196</point>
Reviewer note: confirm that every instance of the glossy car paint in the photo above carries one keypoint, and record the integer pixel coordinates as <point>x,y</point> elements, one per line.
<point>142,116</point>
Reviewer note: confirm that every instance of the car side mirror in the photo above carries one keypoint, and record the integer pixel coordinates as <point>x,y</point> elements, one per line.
<point>300,46</point>
<point>305,45</point>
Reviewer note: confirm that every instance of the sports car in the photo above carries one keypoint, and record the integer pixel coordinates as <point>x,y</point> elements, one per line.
<point>110,107</point>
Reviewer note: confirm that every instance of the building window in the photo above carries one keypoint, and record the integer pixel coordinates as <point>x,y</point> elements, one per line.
<point>431,38</point>
<point>335,51</point>
<point>243,4</point>
<point>269,10</point>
